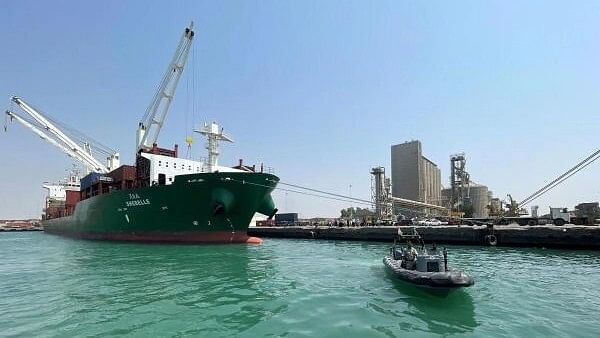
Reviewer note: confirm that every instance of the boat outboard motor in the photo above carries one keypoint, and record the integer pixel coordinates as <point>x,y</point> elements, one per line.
<point>445,259</point>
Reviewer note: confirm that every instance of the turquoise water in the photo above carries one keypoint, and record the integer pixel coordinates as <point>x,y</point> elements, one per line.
<point>56,287</point>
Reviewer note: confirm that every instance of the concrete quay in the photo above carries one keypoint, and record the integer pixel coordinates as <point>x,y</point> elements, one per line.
<point>550,236</point>
<point>3,229</point>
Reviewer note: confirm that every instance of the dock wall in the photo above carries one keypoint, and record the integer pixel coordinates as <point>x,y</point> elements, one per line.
<point>570,236</point>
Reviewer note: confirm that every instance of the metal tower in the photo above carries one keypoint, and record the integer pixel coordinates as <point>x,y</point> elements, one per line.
<point>459,182</point>
<point>381,192</point>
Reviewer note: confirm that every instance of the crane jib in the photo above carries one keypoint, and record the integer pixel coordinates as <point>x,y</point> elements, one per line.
<point>154,117</point>
<point>49,131</point>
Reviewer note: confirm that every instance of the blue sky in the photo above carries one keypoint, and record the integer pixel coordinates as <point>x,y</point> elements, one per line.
<point>318,90</point>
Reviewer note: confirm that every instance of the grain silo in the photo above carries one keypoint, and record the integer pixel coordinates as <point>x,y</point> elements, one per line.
<point>480,199</point>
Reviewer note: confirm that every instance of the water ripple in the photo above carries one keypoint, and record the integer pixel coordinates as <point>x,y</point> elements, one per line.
<point>56,287</point>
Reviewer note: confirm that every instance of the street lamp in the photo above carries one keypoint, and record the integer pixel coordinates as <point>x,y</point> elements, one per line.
<point>351,204</point>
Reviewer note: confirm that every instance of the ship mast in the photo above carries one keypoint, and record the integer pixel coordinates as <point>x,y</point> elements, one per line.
<point>213,133</point>
<point>152,121</point>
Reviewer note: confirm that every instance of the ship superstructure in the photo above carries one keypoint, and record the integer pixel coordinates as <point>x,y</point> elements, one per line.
<point>62,196</point>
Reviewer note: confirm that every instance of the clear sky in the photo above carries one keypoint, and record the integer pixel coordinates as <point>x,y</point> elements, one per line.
<point>318,90</point>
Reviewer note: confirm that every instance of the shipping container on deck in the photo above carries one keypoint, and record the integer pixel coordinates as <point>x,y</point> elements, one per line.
<point>54,209</point>
<point>73,197</point>
<point>93,178</point>
<point>123,177</point>
<point>95,184</point>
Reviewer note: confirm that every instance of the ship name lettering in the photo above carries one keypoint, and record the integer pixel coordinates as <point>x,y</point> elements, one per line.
<point>136,203</point>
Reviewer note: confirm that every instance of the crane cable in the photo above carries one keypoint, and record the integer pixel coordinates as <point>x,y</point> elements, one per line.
<point>345,198</point>
<point>358,200</point>
<point>68,130</point>
<point>327,193</point>
<point>333,196</point>
<point>6,116</point>
<point>81,137</point>
<point>578,167</point>
<point>193,51</point>
<point>557,183</point>
<point>547,186</point>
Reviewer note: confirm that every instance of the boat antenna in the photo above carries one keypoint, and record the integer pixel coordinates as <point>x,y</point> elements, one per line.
<point>445,259</point>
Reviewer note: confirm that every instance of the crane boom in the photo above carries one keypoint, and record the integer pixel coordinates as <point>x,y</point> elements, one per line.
<point>55,136</point>
<point>40,133</point>
<point>150,125</point>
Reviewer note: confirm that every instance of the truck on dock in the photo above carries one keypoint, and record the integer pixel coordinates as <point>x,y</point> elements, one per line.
<point>557,216</point>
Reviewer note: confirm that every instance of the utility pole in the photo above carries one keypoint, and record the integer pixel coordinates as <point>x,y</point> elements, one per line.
<point>351,204</point>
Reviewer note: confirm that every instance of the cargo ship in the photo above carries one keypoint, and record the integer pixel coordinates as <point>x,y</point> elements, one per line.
<point>198,207</point>
<point>162,198</point>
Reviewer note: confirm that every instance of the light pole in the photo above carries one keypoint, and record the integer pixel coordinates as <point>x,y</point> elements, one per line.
<point>351,204</point>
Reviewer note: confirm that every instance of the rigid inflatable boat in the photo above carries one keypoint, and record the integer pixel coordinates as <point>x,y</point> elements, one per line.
<point>423,267</point>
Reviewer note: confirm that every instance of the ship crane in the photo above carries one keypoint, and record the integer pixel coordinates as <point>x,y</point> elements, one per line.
<point>152,121</point>
<point>49,131</point>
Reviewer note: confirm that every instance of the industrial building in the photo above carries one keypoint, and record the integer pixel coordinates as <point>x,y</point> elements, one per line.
<point>414,177</point>
<point>477,195</point>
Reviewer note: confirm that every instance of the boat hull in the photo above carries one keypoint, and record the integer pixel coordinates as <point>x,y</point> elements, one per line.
<point>447,281</point>
<point>196,208</point>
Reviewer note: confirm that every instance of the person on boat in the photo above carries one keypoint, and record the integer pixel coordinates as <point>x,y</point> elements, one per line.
<point>410,256</point>
<point>433,249</point>
<point>411,249</point>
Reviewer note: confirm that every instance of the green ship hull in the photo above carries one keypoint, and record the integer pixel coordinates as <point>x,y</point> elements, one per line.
<point>196,208</point>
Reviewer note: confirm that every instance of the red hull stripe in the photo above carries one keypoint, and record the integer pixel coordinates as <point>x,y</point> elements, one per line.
<point>165,237</point>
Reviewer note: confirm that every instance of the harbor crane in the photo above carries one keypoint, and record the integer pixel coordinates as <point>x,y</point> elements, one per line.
<point>152,121</point>
<point>49,131</point>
